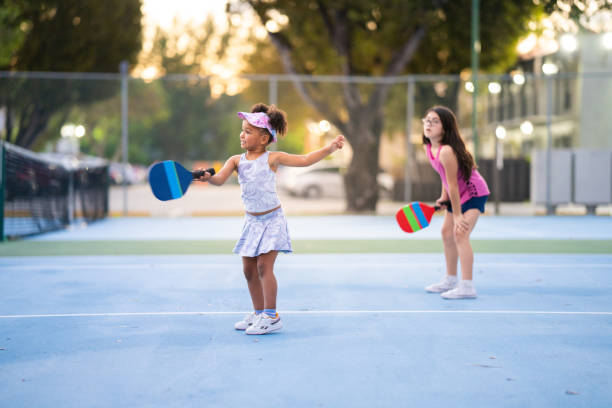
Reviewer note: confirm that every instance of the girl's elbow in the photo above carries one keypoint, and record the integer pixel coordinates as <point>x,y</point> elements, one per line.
<point>216,181</point>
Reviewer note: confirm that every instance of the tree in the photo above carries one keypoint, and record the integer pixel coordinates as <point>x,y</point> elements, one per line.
<point>11,37</point>
<point>187,132</point>
<point>588,15</point>
<point>380,38</point>
<point>64,36</point>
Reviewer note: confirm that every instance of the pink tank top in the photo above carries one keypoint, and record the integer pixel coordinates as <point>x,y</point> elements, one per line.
<point>476,186</point>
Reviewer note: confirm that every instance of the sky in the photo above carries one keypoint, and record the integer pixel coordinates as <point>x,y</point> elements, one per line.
<point>163,13</point>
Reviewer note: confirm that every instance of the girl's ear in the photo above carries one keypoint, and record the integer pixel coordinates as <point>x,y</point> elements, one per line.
<point>263,137</point>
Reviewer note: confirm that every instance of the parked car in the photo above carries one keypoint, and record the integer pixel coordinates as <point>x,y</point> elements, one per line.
<point>323,181</point>
<point>134,173</point>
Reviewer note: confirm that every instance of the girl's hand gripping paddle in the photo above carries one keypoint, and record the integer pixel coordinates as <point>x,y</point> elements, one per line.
<point>170,180</point>
<point>416,216</point>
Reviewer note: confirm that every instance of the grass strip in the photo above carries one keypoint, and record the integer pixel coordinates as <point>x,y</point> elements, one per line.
<point>194,247</point>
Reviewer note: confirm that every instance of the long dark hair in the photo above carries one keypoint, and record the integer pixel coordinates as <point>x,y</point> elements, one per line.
<point>452,138</point>
<point>278,118</point>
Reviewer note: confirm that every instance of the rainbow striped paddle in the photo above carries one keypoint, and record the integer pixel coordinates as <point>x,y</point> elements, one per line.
<point>416,216</point>
<point>170,180</point>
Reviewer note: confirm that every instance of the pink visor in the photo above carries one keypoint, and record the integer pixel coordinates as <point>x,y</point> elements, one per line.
<point>260,120</point>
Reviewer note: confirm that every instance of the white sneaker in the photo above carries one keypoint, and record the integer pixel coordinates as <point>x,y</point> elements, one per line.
<point>246,321</point>
<point>462,291</point>
<point>447,283</point>
<point>265,324</point>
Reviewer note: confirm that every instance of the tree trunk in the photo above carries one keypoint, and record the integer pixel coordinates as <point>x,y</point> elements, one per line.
<point>8,127</point>
<point>360,181</point>
<point>31,125</point>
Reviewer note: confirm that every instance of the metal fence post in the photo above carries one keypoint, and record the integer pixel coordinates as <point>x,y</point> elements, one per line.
<point>409,155</point>
<point>549,206</point>
<point>2,189</point>
<point>273,100</point>
<point>71,196</point>
<point>273,90</point>
<point>475,54</point>
<point>123,68</point>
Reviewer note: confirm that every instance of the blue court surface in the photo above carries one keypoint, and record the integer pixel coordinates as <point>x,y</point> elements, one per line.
<point>360,331</point>
<point>337,227</point>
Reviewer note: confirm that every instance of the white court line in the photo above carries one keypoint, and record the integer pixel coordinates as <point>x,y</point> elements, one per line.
<point>307,265</point>
<point>321,312</point>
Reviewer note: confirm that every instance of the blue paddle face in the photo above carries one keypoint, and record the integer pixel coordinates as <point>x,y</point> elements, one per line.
<point>169,180</point>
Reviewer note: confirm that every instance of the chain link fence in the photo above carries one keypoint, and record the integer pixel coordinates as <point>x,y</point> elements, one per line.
<point>192,119</point>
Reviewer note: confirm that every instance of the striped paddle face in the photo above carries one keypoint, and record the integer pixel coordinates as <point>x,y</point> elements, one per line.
<point>169,180</point>
<point>414,216</point>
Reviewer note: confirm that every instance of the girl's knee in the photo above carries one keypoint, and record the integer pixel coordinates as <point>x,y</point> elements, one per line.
<point>250,273</point>
<point>447,234</point>
<point>461,237</point>
<point>262,269</point>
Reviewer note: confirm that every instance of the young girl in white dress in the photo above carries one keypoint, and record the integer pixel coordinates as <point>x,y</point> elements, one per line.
<point>265,232</point>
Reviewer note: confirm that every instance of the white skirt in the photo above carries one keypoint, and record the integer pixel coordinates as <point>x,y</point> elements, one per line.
<point>264,233</point>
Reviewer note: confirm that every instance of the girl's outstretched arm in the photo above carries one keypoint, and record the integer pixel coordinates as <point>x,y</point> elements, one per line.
<point>218,179</point>
<point>303,160</point>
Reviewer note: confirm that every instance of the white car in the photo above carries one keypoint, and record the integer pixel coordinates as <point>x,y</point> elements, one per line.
<point>323,181</point>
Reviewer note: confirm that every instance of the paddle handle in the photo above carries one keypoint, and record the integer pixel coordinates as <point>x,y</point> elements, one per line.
<point>446,203</point>
<point>199,173</point>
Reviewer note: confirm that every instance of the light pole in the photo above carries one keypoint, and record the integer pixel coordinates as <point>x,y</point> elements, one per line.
<point>495,89</point>
<point>70,144</point>
<point>123,69</point>
<point>475,54</point>
<point>500,135</point>
<point>549,69</point>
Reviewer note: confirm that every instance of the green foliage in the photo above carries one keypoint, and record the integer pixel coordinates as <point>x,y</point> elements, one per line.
<point>11,35</point>
<point>173,117</point>
<point>196,126</point>
<point>446,50</point>
<point>377,29</point>
<point>78,36</point>
<point>380,38</point>
<point>61,35</point>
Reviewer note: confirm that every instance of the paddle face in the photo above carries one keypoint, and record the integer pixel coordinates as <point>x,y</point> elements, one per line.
<point>169,180</point>
<point>414,216</point>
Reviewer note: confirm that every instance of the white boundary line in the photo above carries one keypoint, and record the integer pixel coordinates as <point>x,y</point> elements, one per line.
<point>321,312</point>
<point>207,266</point>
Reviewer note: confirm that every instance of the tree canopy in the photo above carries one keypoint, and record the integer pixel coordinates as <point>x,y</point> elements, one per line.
<point>380,38</point>
<point>61,36</point>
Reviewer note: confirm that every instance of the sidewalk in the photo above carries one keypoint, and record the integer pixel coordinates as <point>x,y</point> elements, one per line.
<point>207,200</point>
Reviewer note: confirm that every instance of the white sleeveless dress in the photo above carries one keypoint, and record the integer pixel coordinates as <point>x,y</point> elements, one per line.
<point>260,233</point>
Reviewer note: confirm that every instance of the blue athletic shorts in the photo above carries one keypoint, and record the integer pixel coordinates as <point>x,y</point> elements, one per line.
<point>474,202</point>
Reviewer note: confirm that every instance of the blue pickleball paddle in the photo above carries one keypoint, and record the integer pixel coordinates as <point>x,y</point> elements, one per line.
<point>169,180</point>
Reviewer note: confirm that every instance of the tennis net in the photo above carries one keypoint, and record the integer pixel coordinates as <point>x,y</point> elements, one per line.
<point>47,192</point>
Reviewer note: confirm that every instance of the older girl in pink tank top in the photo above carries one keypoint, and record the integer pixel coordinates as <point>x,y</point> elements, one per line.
<point>467,191</point>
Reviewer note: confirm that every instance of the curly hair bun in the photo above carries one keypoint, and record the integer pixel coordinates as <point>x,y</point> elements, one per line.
<point>278,118</point>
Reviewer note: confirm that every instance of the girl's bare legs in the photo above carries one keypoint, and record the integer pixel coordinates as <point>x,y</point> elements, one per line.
<point>265,323</point>
<point>265,268</point>
<point>249,267</point>
<point>463,246</point>
<point>450,247</point>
